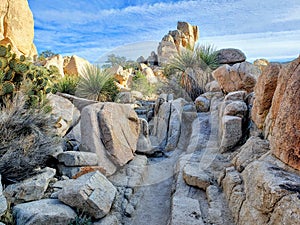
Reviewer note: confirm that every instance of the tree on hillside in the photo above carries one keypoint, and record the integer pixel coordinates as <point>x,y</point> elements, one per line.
<point>113,60</point>
<point>46,54</point>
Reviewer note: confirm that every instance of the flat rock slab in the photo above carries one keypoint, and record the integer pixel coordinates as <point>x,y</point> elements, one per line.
<point>75,158</point>
<point>91,193</point>
<point>193,175</point>
<point>46,211</point>
<point>77,171</point>
<point>186,211</point>
<point>30,189</point>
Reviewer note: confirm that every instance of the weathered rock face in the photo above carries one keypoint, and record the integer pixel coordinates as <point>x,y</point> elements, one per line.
<point>261,63</point>
<point>167,119</point>
<point>151,78</point>
<point>110,130</point>
<point>123,76</point>
<point>46,211</point>
<point>30,189</point>
<point>16,26</point>
<point>213,86</point>
<point>65,113</point>
<point>119,138</point>
<point>230,56</point>
<point>264,91</point>
<point>144,143</point>
<point>91,193</point>
<point>276,110</point>
<point>57,61</point>
<point>269,185</point>
<point>252,150</point>
<point>152,59</point>
<point>74,65</point>
<point>285,136</point>
<point>184,37</point>
<point>240,76</point>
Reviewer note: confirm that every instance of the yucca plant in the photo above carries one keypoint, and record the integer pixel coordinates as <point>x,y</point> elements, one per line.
<point>96,84</point>
<point>195,68</point>
<point>207,57</point>
<point>186,63</point>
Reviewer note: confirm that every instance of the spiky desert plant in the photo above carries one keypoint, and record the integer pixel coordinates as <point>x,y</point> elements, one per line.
<point>206,55</point>
<point>195,68</point>
<point>186,63</point>
<point>27,140</point>
<point>96,84</point>
<point>67,84</point>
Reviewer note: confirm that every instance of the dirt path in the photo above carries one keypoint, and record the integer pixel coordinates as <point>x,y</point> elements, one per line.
<point>154,205</point>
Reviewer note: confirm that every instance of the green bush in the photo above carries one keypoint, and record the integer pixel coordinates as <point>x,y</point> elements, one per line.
<point>96,84</point>
<point>82,219</point>
<point>27,140</point>
<point>141,84</point>
<point>115,60</point>
<point>67,84</point>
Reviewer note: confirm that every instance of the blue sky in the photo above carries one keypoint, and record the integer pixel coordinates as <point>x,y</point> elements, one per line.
<point>92,28</point>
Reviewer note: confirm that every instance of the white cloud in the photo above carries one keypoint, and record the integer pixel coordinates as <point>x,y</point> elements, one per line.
<point>293,14</point>
<point>89,26</point>
<point>271,45</point>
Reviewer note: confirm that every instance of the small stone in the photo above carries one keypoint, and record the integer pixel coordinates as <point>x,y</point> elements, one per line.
<point>202,104</point>
<point>236,108</point>
<point>194,176</point>
<point>236,96</point>
<point>129,210</point>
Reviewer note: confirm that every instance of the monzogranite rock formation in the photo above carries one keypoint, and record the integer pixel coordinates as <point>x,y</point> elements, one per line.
<point>17,26</point>
<point>184,37</point>
<point>276,110</point>
<point>74,65</point>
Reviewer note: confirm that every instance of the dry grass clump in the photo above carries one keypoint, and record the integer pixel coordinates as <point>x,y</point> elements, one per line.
<point>27,140</point>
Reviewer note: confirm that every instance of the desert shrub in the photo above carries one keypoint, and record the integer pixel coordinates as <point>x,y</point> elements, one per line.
<point>27,140</point>
<point>8,218</point>
<point>67,84</point>
<point>96,84</point>
<point>45,54</point>
<point>141,84</point>
<point>82,219</point>
<point>115,60</point>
